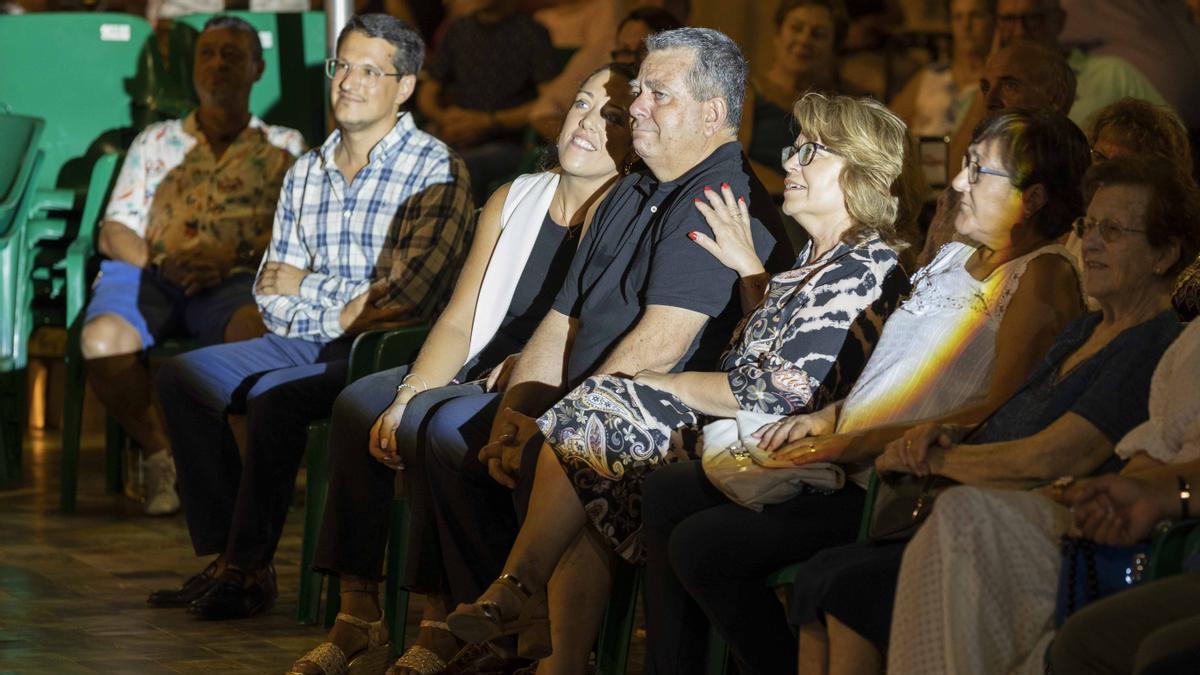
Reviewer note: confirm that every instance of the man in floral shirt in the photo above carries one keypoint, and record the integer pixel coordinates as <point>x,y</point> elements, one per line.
<point>185,229</point>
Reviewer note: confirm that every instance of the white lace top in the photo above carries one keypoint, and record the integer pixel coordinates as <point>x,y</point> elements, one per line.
<point>937,351</point>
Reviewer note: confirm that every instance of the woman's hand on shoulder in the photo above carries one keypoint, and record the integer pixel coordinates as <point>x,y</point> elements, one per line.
<point>729,219</point>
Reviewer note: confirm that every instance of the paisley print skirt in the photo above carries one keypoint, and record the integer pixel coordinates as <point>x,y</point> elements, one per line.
<point>609,433</point>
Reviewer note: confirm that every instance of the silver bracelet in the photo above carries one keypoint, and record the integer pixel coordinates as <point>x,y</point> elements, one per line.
<point>424,384</point>
<point>404,385</point>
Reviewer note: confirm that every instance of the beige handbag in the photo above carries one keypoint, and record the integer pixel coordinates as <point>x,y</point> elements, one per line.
<point>747,475</point>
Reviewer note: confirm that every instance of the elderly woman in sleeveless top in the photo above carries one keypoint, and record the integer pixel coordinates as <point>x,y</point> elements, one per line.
<point>979,318</point>
<point>964,604</point>
<point>523,245</point>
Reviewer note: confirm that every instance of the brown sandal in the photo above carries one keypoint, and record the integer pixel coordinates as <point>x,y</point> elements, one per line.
<point>482,621</point>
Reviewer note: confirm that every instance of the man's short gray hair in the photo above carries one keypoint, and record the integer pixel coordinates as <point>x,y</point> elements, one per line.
<point>719,70</point>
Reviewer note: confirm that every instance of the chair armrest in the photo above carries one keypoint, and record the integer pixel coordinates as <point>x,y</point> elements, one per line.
<point>56,199</point>
<point>81,248</point>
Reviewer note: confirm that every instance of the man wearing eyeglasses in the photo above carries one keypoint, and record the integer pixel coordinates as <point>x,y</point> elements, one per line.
<point>183,234</point>
<point>369,232</point>
<point>1100,80</point>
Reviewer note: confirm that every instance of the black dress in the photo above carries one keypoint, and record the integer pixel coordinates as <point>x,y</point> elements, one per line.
<point>355,527</point>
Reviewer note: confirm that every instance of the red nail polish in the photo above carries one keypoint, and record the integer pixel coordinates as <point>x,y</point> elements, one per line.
<point>741,200</point>
<point>707,188</point>
<point>697,200</point>
<point>692,236</point>
<point>724,186</point>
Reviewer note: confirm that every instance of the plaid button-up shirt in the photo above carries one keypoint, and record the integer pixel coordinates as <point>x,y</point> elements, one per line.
<point>403,226</point>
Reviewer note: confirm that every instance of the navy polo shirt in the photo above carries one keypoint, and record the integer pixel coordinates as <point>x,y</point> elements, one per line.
<point>637,253</point>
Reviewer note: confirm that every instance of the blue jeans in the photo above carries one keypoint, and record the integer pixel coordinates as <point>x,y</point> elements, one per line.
<point>281,385</point>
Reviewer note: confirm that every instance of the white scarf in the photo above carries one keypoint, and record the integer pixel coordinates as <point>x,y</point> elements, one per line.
<point>521,219</point>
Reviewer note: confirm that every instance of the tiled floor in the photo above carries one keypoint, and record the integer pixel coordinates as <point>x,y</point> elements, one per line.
<point>73,587</point>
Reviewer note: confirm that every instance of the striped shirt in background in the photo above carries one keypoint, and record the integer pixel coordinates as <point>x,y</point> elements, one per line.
<point>401,229</point>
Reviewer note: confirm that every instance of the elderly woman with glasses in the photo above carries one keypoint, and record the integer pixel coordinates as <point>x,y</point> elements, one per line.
<point>979,318</point>
<point>976,590</point>
<point>802,346</point>
<point>1134,127</point>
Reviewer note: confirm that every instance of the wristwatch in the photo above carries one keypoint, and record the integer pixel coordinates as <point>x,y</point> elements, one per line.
<point>1185,496</point>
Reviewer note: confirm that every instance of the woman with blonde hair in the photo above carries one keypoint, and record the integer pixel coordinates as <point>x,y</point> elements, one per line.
<point>940,354</point>
<point>803,345</point>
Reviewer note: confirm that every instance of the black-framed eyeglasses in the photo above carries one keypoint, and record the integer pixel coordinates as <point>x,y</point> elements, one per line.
<point>804,152</point>
<point>1110,232</point>
<point>974,168</point>
<point>337,69</point>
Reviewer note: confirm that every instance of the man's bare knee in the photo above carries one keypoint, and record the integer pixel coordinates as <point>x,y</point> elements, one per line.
<point>245,324</point>
<point>109,335</point>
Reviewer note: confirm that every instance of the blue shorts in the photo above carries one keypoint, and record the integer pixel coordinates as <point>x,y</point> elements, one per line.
<point>159,309</point>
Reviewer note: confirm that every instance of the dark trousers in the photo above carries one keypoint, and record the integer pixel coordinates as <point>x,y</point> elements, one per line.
<point>355,526</point>
<point>707,560</point>
<point>1152,629</point>
<point>477,518</point>
<point>281,384</point>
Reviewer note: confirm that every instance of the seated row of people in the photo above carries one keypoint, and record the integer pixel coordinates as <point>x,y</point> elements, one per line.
<point>599,359</point>
<point>604,455</point>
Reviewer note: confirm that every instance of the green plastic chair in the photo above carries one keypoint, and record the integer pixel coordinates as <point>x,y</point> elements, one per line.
<point>95,56</point>
<point>20,164</point>
<point>293,96</point>
<point>75,266</point>
<point>372,352</point>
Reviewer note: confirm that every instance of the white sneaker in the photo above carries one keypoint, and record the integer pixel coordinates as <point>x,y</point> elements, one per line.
<point>161,499</point>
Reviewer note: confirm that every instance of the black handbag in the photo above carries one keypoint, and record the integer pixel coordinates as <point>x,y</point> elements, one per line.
<point>902,502</point>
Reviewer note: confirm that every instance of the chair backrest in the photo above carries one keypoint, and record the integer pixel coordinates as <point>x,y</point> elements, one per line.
<point>294,96</point>
<point>19,170</point>
<point>19,135</point>
<point>77,72</point>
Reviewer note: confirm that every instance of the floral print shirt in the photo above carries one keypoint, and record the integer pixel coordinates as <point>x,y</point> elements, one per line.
<point>810,338</point>
<point>182,200</point>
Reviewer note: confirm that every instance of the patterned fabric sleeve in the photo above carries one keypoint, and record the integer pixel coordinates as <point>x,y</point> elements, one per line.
<point>293,315</point>
<point>787,377</point>
<point>129,204</point>
<point>431,241</point>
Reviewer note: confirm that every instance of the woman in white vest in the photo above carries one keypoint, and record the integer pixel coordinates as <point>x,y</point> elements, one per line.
<point>524,242</point>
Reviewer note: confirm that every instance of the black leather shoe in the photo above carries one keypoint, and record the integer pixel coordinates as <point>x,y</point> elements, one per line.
<point>187,593</point>
<point>231,598</point>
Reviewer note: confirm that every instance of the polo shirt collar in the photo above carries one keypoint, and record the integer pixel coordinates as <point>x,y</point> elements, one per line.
<point>648,184</point>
